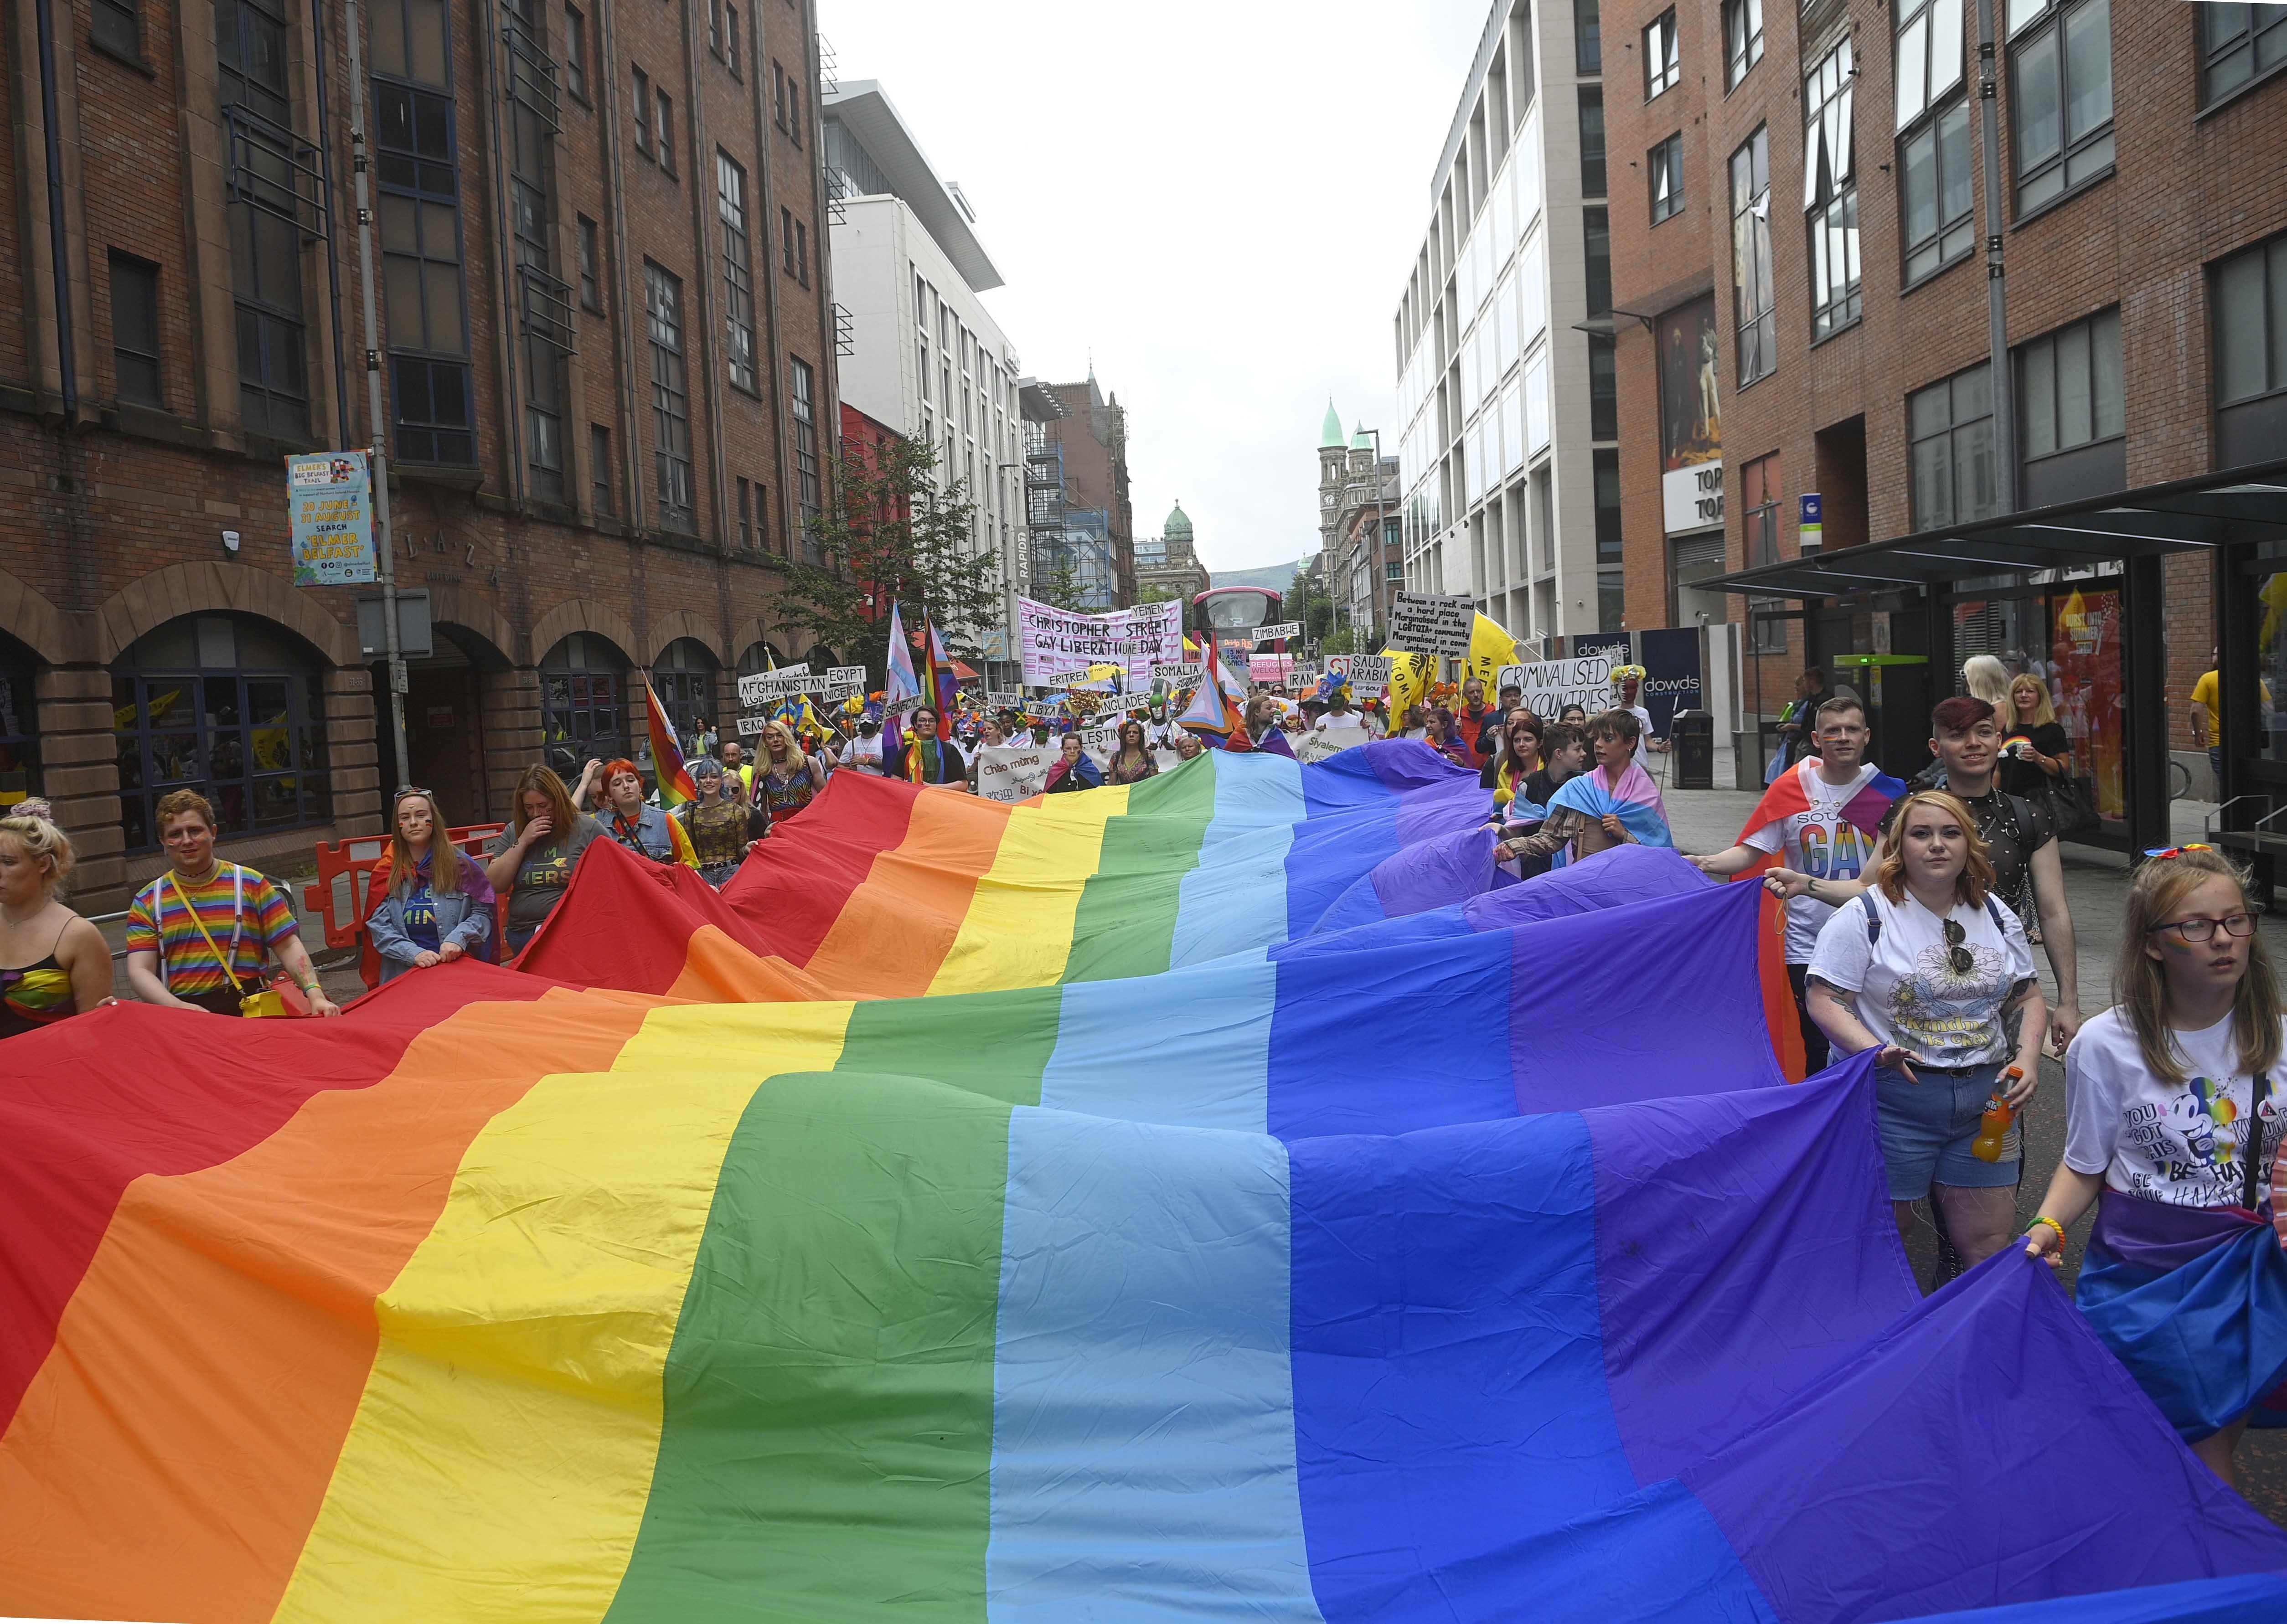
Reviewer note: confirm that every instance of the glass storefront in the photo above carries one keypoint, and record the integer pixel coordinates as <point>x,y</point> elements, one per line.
<point>2066,633</point>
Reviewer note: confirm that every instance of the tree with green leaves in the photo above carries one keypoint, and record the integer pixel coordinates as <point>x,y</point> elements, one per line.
<point>897,534</point>
<point>1155,594</point>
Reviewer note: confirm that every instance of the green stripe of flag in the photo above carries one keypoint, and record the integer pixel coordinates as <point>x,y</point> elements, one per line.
<point>1125,924</point>
<point>829,1392</point>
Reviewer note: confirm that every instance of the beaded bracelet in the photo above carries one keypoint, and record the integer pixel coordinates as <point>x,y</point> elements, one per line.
<point>2052,1223</point>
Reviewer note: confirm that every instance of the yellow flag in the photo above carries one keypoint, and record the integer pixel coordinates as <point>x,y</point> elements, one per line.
<point>1489,649</point>
<point>1408,681</point>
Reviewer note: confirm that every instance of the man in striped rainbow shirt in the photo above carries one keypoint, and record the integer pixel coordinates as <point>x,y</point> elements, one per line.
<point>171,960</point>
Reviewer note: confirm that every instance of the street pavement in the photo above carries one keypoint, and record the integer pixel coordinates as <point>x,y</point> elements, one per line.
<point>2096,890</point>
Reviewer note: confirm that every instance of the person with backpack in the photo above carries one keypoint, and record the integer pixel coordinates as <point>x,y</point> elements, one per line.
<point>1928,968</point>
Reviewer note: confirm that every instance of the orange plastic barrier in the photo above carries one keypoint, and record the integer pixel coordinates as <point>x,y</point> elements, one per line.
<point>342,893</point>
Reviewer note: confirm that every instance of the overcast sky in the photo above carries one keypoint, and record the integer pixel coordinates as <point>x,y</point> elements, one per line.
<point>1219,199</point>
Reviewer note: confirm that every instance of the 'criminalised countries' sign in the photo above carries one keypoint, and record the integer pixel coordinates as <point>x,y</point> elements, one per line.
<point>1432,623</point>
<point>329,504</point>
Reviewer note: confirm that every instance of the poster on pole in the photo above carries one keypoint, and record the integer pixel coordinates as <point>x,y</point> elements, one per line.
<point>1052,640</point>
<point>1276,630</point>
<point>1432,623</point>
<point>329,504</point>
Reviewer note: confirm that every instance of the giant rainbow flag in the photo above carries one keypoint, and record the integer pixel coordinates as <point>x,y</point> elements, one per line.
<point>1211,1200</point>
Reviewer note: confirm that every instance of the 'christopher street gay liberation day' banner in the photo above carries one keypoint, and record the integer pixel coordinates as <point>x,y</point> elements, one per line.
<point>1051,642</point>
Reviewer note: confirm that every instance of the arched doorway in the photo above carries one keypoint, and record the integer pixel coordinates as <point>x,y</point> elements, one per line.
<point>683,678</point>
<point>444,720</point>
<point>583,703</point>
<point>19,724</point>
<point>230,705</point>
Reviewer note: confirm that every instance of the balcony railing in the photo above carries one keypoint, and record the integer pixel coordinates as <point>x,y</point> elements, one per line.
<point>274,169</point>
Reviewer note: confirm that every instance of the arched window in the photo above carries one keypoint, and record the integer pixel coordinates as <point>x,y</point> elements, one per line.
<point>19,727</point>
<point>683,678</point>
<point>231,706</point>
<point>582,703</point>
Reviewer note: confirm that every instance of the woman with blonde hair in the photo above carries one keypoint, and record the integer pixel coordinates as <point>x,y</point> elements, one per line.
<point>1932,971</point>
<point>785,780</point>
<point>54,964</point>
<point>2035,750</point>
<point>436,905</point>
<point>531,859</point>
<point>1987,678</point>
<point>2165,1095</point>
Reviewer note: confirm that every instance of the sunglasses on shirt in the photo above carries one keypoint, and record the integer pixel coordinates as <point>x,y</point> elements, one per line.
<point>1958,956</point>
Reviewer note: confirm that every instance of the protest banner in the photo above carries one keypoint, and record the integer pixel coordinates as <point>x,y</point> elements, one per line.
<point>1551,685</point>
<point>762,688</point>
<point>1013,772</point>
<point>1320,743</point>
<point>1368,675</point>
<point>1432,623</point>
<point>1281,629</point>
<point>329,505</point>
<point>1050,639</point>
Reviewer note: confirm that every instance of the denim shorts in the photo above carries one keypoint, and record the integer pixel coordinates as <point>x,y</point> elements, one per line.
<point>1926,1128</point>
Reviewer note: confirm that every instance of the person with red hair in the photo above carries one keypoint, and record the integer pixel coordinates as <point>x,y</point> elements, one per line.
<point>635,823</point>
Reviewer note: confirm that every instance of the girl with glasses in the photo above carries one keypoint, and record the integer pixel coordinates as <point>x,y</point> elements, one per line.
<point>2164,1092</point>
<point>1932,971</point>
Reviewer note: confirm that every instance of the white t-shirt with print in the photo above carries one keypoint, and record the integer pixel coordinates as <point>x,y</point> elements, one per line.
<point>1819,843</point>
<point>1908,992</point>
<point>2179,1144</point>
<point>864,754</point>
<point>1643,734</point>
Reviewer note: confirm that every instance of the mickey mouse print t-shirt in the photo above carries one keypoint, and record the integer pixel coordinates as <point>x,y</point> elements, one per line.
<point>2178,1144</point>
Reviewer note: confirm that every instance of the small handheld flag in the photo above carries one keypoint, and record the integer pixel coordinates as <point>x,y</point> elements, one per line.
<point>674,785</point>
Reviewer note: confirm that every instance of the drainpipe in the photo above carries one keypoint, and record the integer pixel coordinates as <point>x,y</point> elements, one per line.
<point>59,254</point>
<point>1996,314</point>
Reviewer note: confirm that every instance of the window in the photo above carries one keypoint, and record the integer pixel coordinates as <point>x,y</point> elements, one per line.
<point>2238,45</point>
<point>418,210</point>
<point>1928,61</point>
<point>1608,506</point>
<point>786,239</point>
<point>643,111</point>
<point>738,272</point>
<point>1587,39</point>
<point>580,713</point>
<point>746,517</point>
<point>732,53</point>
<point>671,397</point>
<point>1830,193</point>
<point>1753,318</point>
<point>2248,297</point>
<point>1758,492</point>
<point>1603,390</point>
<point>665,131</point>
<point>1597,238</point>
<point>1663,60</point>
<point>794,112</point>
<point>266,249</point>
<point>599,469</point>
<point>1949,435</point>
<point>135,329</point>
<point>683,678</point>
<point>575,53</point>
<point>805,438</point>
<point>115,25</point>
<point>1743,39</point>
<point>714,27</point>
<point>2071,386</point>
<point>2060,95</point>
<point>802,252</point>
<point>1592,142</point>
<point>1666,165</point>
<point>777,95</point>
<point>1393,571</point>
<point>227,705</point>
<point>1933,165</point>
<point>544,300</point>
<point>591,292</point>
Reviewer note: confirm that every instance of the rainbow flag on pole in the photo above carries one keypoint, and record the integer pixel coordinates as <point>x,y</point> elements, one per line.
<point>674,785</point>
<point>1085,1230</point>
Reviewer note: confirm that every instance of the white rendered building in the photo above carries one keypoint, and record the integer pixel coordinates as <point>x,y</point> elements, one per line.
<point>1503,341</point>
<point>921,353</point>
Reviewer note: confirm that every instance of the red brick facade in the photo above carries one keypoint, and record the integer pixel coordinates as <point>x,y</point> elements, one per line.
<point>113,514</point>
<point>2189,186</point>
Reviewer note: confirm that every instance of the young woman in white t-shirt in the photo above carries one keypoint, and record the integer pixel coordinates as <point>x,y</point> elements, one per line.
<point>2159,1092</point>
<point>1927,968</point>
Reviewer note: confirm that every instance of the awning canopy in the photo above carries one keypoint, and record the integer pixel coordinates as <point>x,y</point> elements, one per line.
<point>2216,510</point>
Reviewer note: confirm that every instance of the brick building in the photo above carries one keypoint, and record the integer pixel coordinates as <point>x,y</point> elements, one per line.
<point>606,347</point>
<point>1801,310</point>
<point>1085,438</point>
<point>1361,535</point>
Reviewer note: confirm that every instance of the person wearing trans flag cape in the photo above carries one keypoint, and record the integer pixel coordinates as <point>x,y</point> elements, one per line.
<point>1613,803</point>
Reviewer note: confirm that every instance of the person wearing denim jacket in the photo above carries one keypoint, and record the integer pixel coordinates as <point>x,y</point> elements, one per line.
<point>461,920</point>
<point>416,924</point>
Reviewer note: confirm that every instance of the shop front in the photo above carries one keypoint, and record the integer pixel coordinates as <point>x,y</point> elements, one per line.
<point>2076,595</point>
